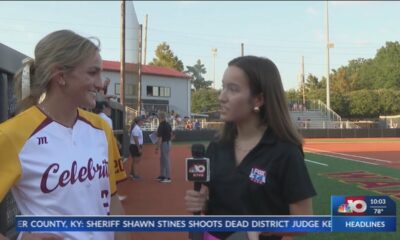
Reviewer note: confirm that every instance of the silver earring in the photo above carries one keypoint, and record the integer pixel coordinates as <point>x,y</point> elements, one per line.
<point>256,109</point>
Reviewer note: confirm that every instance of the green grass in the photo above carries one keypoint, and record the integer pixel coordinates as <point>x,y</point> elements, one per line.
<point>326,187</point>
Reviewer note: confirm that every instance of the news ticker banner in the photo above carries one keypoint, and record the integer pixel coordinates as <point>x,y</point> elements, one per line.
<point>367,213</point>
<point>175,223</point>
<point>348,214</point>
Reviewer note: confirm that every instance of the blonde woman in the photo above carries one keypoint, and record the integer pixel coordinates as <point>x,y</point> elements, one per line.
<point>56,158</point>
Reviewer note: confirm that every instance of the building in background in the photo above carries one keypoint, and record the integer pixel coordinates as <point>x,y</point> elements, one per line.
<point>163,89</point>
<point>10,62</point>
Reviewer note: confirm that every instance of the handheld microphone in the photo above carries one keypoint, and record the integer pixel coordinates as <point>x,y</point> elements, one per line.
<point>197,171</point>
<point>198,167</point>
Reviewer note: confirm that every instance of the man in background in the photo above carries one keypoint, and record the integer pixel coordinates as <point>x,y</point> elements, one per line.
<point>164,134</point>
<point>104,110</point>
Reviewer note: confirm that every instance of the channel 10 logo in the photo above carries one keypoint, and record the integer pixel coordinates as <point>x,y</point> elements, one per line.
<point>353,206</point>
<point>197,168</point>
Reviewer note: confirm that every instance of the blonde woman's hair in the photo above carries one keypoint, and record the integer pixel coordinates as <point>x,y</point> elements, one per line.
<point>62,48</point>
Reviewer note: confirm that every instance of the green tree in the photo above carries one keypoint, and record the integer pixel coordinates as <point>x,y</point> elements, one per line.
<point>340,80</point>
<point>387,62</point>
<point>364,87</point>
<point>293,95</point>
<point>315,89</point>
<point>354,70</point>
<point>196,72</point>
<point>322,83</point>
<point>312,83</point>
<point>340,104</point>
<point>389,101</point>
<point>364,103</point>
<point>165,58</point>
<point>205,100</point>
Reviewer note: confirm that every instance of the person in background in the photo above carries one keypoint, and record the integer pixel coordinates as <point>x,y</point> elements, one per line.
<point>106,83</point>
<point>257,164</point>
<point>172,116</point>
<point>197,125</point>
<point>136,145</point>
<point>52,135</point>
<point>103,109</point>
<point>164,134</point>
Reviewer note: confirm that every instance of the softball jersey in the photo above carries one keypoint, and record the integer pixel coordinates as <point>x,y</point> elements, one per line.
<point>56,170</point>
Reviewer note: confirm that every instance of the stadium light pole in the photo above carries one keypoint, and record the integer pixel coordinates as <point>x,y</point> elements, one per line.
<point>328,46</point>
<point>214,54</point>
<point>122,57</point>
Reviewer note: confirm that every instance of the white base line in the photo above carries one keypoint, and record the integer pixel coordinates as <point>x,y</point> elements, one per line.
<point>350,155</point>
<point>323,164</point>
<point>328,155</point>
<point>335,142</point>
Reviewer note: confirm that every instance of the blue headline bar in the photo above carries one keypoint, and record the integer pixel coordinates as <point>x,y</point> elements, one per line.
<point>203,223</point>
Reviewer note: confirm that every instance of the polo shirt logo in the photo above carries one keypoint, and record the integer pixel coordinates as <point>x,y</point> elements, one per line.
<point>258,176</point>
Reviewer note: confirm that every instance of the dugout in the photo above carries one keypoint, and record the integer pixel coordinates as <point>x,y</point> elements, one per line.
<point>10,62</point>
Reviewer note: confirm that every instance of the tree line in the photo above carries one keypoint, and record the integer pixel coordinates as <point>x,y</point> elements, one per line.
<point>204,98</point>
<point>364,88</point>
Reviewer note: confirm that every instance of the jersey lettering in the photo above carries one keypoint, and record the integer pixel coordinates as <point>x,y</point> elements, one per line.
<point>88,172</point>
<point>118,166</point>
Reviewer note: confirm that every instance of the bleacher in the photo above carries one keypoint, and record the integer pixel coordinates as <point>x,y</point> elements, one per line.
<point>316,115</point>
<point>312,119</point>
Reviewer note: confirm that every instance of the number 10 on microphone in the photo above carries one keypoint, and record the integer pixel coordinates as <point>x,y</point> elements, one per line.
<point>198,169</point>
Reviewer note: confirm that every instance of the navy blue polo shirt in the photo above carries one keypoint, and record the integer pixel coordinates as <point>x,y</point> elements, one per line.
<point>269,178</point>
<point>164,131</point>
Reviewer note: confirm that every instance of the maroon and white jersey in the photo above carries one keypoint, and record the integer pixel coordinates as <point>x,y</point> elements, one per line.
<point>55,170</point>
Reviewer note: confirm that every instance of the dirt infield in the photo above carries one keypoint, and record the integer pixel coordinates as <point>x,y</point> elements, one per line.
<point>149,197</point>
<point>382,151</point>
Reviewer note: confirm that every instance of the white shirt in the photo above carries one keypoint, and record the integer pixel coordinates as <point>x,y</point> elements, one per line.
<point>108,120</point>
<point>137,132</point>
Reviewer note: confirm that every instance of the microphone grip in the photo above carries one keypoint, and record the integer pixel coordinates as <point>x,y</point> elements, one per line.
<point>197,187</point>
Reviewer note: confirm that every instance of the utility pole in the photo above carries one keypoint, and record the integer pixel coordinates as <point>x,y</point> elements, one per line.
<point>139,86</point>
<point>302,81</point>
<point>145,39</point>
<point>122,66</point>
<point>328,46</point>
<point>214,54</point>
<point>242,49</point>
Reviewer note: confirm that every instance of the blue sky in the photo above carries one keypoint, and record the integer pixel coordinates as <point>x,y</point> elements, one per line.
<point>281,31</point>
